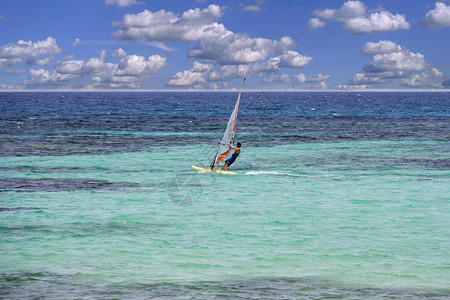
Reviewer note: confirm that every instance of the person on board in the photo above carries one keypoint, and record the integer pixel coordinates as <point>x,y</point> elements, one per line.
<point>233,157</point>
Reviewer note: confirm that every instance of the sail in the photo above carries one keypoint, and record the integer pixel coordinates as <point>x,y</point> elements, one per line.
<point>228,137</point>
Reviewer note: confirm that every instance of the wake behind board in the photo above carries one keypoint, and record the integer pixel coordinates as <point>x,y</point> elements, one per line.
<point>215,171</point>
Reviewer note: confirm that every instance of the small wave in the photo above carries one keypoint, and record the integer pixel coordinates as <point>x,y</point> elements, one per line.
<point>273,173</point>
<point>263,172</point>
<point>288,174</point>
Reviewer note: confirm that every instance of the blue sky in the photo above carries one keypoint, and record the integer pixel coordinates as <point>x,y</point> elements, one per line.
<point>209,45</point>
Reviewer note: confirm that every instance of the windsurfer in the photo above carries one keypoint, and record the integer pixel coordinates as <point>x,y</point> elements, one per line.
<point>233,157</point>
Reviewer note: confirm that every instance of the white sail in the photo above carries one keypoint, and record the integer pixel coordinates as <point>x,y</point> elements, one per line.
<point>228,138</point>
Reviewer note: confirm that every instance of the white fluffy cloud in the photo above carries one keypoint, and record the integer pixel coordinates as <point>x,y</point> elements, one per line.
<point>187,78</point>
<point>134,65</point>
<point>44,77</point>
<point>38,53</point>
<point>119,53</point>
<point>382,47</point>
<point>376,22</point>
<point>349,10</point>
<point>131,72</point>
<point>84,67</point>
<point>293,59</point>
<point>401,61</point>
<point>267,71</point>
<point>357,21</point>
<point>23,49</point>
<point>193,25</point>
<point>314,23</point>
<point>391,62</point>
<point>227,54</point>
<point>208,72</point>
<point>239,49</point>
<point>438,17</point>
<point>430,78</point>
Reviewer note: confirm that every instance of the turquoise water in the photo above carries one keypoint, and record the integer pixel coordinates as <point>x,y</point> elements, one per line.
<point>358,218</point>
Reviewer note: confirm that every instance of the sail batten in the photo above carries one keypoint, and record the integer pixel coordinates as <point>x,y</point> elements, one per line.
<point>228,137</point>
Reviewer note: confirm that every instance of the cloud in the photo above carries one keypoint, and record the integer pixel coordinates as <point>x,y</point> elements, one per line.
<point>131,72</point>
<point>84,67</point>
<point>23,49</point>
<point>39,62</point>
<point>382,47</point>
<point>119,53</point>
<point>193,76</point>
<point>293,59</point>
<point>392,62</point>
<point>186,78</point>
<point>238,49</point>
<point>209,72</point>
<point>240,57</point>
<point>41,76</point>
<point>349,10</point>
<point>10,87</point>
<point>14,54</point>
<point>76,42</point>
<point>318,78</point>
<point>315,23</point>
<point>357,21</point>
<point>300,81</point>
<point>277,78</point>
<point>9,62</point>
<point>134,65</point>
<point>193,25</point>
<point>401,61</point>
<point>250,8</point>
<point>267,71</point>
<point>376,22</point>
<point>219,53</point>
<point>122,2</point>
<point>430,78</point>
<point>353,87</point>
<point>438,17</point>
<point>366,79</point>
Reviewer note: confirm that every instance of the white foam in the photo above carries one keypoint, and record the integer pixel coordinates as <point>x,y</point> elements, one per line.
<point>262,172</point>
<point>287,174</point>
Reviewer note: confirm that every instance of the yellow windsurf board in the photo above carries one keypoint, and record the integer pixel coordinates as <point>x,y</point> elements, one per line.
<point>215,171</point>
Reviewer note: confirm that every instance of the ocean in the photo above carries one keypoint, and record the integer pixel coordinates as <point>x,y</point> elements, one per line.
<point>340,195</point>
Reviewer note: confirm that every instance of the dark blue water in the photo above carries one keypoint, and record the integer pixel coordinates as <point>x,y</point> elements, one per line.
<point>73,104</point>
<point>59,123</point>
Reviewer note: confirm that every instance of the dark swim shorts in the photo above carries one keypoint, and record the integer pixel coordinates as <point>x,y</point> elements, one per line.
<point>230,160</point>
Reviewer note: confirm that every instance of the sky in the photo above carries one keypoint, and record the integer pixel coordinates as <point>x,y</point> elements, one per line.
<point>212,45</point>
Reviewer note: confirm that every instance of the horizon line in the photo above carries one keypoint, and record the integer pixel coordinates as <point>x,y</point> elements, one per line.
<point>229,90</point>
